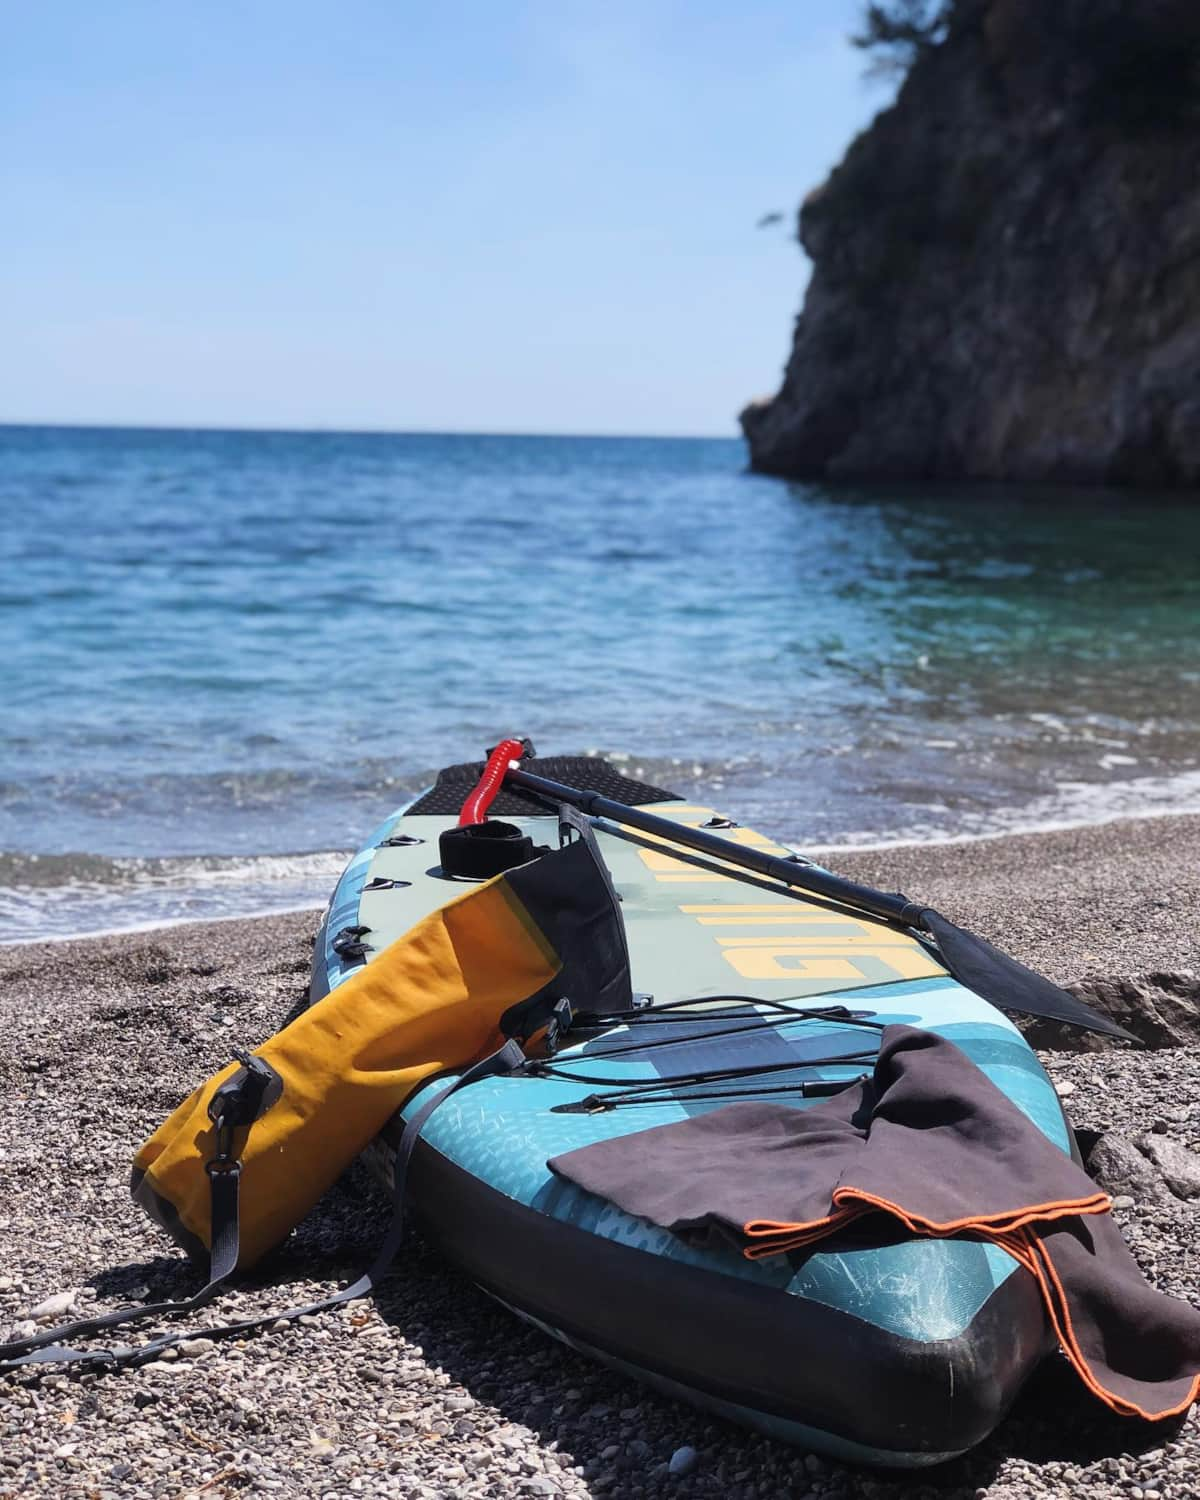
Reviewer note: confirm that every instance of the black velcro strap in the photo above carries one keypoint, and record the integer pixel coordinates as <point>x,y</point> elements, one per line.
<point>477,851</point>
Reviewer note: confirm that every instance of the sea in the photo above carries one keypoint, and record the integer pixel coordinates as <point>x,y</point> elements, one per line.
<point>226,656</point>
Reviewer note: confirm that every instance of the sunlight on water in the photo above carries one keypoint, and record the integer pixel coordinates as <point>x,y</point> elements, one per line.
<point>235,643</point>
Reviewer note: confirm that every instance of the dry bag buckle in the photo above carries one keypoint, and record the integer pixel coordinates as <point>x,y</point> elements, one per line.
<point>239,1101</point>
<point>223,1160</point>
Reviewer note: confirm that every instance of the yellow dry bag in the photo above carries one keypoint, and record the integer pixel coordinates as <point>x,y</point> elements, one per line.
<point>492,963</point>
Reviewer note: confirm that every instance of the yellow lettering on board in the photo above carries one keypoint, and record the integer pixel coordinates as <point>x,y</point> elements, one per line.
<point>729,906</point>
<point>792,959</point>
<point>752,839</point>
<point>667,868</point>
<point>800,915</point>
<point>655,859</point>
<point>867,942</point>
<point>785,963</point>
<point>696,817</point>
<point>837,951</point>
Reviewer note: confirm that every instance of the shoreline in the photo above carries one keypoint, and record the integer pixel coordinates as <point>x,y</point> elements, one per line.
<point>877,862</point>
<point>141,929</point>
<point>1032,830</point>
<point>429,1388</point>
<point>1094,901</point>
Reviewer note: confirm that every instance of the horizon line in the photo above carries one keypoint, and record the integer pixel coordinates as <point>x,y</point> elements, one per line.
<point>289,431</point>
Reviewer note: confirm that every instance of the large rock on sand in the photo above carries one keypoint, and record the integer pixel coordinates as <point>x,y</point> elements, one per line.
<point>1121,1168</point>
<point>1161,1009</point>
<point>1180,1168</point>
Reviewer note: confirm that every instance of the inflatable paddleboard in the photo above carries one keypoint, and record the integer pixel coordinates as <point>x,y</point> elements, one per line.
<point>885,1351</point>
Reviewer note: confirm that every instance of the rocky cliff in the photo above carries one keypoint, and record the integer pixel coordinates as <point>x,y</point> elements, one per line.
<point>1006,265</point>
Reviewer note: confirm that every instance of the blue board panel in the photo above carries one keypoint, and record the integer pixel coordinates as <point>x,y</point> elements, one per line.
<point>503,1131</point>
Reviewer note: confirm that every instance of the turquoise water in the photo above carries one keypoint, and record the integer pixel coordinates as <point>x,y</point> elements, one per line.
<point>226,655</point>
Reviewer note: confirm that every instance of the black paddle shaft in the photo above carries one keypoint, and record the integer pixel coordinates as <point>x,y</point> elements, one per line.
<point>970,959</point>
<point>890,908</point>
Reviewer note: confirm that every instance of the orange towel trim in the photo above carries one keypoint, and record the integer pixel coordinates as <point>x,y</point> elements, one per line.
<point>1012,1232</point>
<point>1003,1223</point>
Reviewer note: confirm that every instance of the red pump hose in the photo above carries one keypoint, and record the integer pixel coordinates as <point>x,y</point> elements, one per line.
<point>506,754</point>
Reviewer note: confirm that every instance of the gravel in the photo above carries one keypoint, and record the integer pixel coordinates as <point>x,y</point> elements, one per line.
<point>431,1389</point>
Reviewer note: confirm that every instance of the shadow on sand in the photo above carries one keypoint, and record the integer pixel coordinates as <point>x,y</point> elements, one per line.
<point>615,1430</point>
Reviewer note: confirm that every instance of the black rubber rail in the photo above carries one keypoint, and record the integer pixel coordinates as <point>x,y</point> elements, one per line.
<point>970,959</point>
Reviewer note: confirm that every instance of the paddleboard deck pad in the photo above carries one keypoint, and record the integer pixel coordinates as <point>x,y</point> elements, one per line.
<point>871,1347</point>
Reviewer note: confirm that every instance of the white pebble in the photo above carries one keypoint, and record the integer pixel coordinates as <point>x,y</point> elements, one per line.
<point>196,1346</point>
<point>683,1460</point>
<point>54,1307</point>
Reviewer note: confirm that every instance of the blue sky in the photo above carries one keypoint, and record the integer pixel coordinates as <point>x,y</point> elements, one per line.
<point>533,217</point>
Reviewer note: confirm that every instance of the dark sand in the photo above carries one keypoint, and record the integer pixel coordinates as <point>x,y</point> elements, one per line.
<point>430,1389</point>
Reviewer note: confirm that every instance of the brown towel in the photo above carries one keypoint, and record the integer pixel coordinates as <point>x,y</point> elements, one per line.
<point>933,1142</point>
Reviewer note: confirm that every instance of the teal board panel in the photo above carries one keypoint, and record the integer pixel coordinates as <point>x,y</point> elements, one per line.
<point>503,1130</point>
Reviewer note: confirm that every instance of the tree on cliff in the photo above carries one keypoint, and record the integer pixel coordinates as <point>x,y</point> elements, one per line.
<point>898,31</point>
<point>1136,65</point>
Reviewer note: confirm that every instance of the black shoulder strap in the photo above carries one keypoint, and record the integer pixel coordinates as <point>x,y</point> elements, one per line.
<point>224,1174</point>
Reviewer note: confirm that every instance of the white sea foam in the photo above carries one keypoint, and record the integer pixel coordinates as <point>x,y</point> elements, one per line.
<point>160,925</point>
<point>54,898</point>
<point>1072,804</point>
<point>60,896</point>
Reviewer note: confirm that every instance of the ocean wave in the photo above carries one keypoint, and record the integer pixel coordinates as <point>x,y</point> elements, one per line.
<point>365,779</point>
<point>57,896</point>
<point>268,786</point>
<point>101,871</point>
<point>1072,804</point>
<point>54,896</point>
<point>248,810</point>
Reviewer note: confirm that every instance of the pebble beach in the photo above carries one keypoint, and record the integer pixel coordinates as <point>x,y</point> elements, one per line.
<point>430,1389</point>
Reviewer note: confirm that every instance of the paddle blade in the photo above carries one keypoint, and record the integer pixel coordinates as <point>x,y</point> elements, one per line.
<point>996,977</point>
